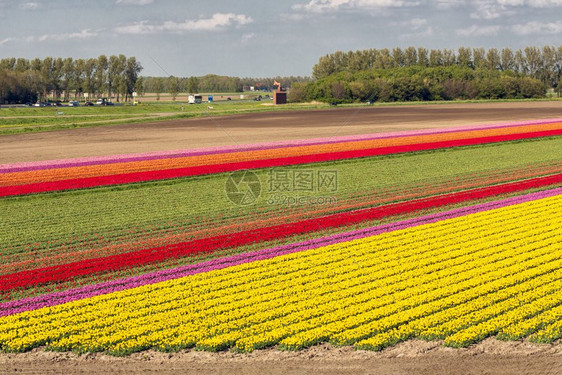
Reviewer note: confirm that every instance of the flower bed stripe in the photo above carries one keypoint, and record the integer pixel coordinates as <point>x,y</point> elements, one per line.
<point>100,160</point>
<point>52,299</point>
<point>207,245</point>
<point>60,174</point>
<point>266,163</point>
<point>80,251</point>
<point>323,294</point>
<point>53,255</point>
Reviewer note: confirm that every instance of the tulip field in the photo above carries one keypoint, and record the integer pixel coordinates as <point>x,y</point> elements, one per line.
<point>368,241</point>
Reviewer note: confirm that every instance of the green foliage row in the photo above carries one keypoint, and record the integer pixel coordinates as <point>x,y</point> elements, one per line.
<point>418,83</point>
<point>23,80</point>
<point>544,64</point>
<point>212,83</point>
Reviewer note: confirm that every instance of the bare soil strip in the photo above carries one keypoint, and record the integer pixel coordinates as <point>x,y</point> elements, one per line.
<point>412,357</point>
<point>260,127</point>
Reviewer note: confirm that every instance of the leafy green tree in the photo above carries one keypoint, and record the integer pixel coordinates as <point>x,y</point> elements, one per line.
<point>435,57</point>
<point>158,87</point>
<point>89,85</point>
<point>46,75</point>
<point>173,87</point>
<point>68,77</point>
<point>193,85</point>
<point>507,59</point>
<point>297,93</point>
<point>102,65</point>
<point>79,76</point>
<point>547,73</point>
<point>423,56</point>
<point>534,60</point>
<point>139,87</point>
<point>132,71</point>
<point>559,88</point>
<point>410,56</point>
<point>493,59</point>
<point>464,57</point>
<point>449,57</point>
<point>479,58</point>
<point>21,65</point>
<point>521,64</point>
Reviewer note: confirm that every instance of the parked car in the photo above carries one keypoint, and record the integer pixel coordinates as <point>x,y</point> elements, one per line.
<point>88,104</point>
<point>73,104</point>
<point>104,101</point>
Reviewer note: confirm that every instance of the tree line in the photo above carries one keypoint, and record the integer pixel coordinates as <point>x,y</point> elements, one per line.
<point>23,80</point>
<point>212,83</point>
<point>417,83</point>
<point>422,74</point>
<point>543,63</point>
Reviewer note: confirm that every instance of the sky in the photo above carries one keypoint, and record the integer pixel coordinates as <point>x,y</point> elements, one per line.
<point>264,38</point>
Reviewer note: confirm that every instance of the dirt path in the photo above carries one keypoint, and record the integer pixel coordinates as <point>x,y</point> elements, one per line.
<point>260,127</point>
<point>413,357</point>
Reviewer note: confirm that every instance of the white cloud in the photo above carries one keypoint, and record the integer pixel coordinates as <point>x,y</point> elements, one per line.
<point>411,24</point>
<point>426,33</point>
<point>249,36</point>
<point>84,34</point>
<point>447,4</point>
<point>538,28</point>
<point>416,23</point>
<point>6,40</point>
<point>491,9</point>
<point>30,6</point>
<point>475,30</point>
<point>488,10</point>
<point>531,3</point>
<point>324,6</point>
<point>134,2</point>
<point>216,22</point>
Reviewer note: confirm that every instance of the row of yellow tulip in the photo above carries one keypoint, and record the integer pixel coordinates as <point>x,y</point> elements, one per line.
<point>535,295</point>
<point>460,279</point>
<point>223,281</point>
<point>551,331</point>
<point>524,328</point>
